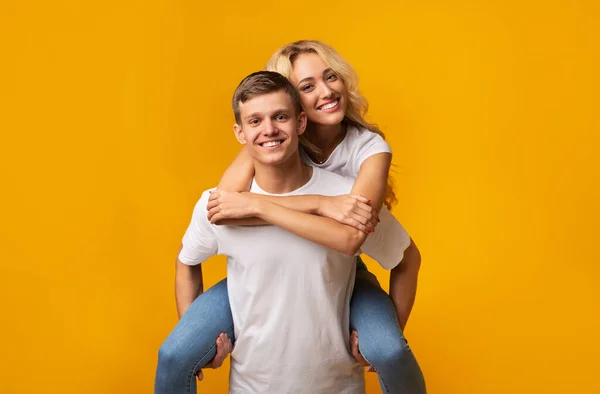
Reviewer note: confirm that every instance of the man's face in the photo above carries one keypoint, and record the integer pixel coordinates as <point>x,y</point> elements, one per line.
<point>270,127</point>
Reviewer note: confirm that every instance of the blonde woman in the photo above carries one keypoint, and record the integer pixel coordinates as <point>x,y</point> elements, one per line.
<point>337,139</point>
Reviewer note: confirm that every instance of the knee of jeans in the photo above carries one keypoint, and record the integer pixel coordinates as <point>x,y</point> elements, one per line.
<point>170,355</point>
<point>386,352</point>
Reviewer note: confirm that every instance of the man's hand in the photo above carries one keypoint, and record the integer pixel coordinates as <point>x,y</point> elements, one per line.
<point>356,353</point>
<point>230,205</point>
<point>352,210</point>
<point>224,347</point>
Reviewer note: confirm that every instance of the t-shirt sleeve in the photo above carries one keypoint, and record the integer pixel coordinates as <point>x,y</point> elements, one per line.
<point>387,243</point>
<point>369,144</point>
<point>199,241</point>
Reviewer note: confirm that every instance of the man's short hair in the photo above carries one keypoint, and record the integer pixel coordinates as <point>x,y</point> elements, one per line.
<point>263,82</point>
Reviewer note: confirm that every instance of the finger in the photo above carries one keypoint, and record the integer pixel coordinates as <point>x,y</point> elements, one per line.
<point>200,375</point>
<point>229,346</point>
<point>221,353</point>
<point>372,223</point>
<point>367,208</point>
<point>363,210</point>
<point>212,212</point>
<point>356,224</point>
<point>371,369</point>
<point>356,351</point>
<point>367,212</point>
<point>368,223</point>
<point>211,204</point>
<point>217,217</point>
<point>360,198</point>
<point>354,346</point>
<point>359,218</point>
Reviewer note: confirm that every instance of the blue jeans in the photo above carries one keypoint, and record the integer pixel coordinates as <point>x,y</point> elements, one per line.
<point>191,345</point>
<point>380,339</point>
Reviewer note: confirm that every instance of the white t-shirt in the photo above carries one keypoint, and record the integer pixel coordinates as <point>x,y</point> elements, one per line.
<point>348,156</point>
<point>290,298</point>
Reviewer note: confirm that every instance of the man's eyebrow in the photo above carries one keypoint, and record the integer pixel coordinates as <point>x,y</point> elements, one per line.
<point>326,71</point>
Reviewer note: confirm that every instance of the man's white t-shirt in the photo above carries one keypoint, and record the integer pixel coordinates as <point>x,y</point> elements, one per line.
<point>290,298</point>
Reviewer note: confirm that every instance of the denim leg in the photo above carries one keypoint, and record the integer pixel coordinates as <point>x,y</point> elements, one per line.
<point>380,339</point>
<point>191,345</point>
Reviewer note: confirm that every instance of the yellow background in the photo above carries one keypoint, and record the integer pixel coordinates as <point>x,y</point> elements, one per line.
<point>115,115</point>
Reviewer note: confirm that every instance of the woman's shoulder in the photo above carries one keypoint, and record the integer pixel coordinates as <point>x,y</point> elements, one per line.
<point>362,137</point>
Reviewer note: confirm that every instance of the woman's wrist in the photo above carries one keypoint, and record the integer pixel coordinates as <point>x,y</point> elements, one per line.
<point>321,203</point>
<point>259,207</point>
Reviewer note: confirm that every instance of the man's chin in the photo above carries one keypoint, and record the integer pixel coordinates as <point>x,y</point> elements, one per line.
<point>274,159</point>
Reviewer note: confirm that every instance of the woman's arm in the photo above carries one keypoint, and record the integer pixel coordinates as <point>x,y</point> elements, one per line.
<point>371,183</point>
<point>321,230</point>
<point>238,176</point>
<point>351,210</point>
<point>372,179</point>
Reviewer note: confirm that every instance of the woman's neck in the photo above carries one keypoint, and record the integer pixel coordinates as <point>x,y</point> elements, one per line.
<point>326,137</point>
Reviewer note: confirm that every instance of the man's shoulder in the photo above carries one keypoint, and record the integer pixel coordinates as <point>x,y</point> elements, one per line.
<point>200,206</point>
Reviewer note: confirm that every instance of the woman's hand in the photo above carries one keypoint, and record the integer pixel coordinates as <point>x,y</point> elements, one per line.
<point>351,210</point>
<point>230,205</point>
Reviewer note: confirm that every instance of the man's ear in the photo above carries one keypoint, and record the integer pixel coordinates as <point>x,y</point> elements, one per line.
<point>302,119</point>
<point>239,134</point>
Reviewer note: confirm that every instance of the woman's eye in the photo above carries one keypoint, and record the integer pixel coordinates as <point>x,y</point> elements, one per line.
<point>306,88</point>
<point>332,77</point>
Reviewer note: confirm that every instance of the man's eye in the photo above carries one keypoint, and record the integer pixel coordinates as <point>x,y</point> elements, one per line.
<point>254,122</point>
<point>281,117</point>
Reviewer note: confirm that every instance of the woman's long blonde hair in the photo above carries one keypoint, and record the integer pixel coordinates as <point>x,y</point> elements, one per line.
<point>282,62</point>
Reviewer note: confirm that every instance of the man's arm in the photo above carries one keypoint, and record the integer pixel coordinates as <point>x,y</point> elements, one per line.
<point>403,283</point>
<point>188,285</point>
<point>199,243</point>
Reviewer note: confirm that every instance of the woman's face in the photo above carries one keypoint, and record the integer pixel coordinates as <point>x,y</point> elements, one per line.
<point>323,94</point>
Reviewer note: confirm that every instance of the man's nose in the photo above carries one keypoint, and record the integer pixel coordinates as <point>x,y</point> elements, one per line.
<point>270,128</point>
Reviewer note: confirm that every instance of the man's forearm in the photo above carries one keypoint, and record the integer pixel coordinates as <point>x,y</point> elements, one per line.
<point>188,285</point>
<point>403,283</point>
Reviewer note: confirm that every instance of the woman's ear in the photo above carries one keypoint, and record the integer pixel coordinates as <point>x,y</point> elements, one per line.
<point>239,134</point>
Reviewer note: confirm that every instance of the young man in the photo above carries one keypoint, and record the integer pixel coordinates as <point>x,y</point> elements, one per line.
<point>289,296</point>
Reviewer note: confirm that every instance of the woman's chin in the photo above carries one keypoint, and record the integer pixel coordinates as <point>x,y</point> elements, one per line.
<point>328,119</point>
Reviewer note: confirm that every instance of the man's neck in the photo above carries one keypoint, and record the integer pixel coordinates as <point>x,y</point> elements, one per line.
<point>283,177</point>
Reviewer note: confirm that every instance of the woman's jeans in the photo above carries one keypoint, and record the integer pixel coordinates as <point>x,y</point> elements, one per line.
<point>191,345</point>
